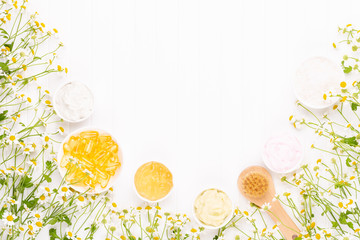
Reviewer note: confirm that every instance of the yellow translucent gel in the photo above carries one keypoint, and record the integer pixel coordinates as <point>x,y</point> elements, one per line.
<point>90,158</point>
<point>153,181</point>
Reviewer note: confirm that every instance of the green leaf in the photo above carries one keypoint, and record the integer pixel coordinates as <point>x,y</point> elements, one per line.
<point>47,178</point>
<point>348,162</point>
<point>60,218</point>
<point>2,212</point>
<point>9,45</point>
<point>48,165</point>
<point>4,32</point>
<point>351,225</point>
<point>25,182</point>
<point>351,141</point>
<point>354,106</point>
<point>31,203</point>
<point>2,180</point>
<point>347,69</point>
<point>343,217</point>
<point>4,67</point>
<point>53,235</point>
<point>93,228</point>
<point>53,221</point>
<point>334,224</point>
<point>3,115</point>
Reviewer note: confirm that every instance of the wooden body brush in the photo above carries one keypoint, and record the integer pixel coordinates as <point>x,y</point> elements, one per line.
<point>256,184</point>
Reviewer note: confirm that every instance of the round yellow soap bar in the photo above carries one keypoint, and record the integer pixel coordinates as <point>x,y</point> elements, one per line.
<point>153,181</point>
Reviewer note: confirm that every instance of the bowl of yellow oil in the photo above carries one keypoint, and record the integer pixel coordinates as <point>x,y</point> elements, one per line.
<point>90,160</point>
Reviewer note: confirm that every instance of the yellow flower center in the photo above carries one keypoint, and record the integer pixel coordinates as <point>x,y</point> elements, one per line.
<point>12,138</point>
<point>10,218</point>
<point>39,224</point>
<point>37,215</point>
<point>42,198</point>
<point>81,198</point>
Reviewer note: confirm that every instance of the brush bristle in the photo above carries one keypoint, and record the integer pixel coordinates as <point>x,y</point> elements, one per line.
<point>255,184</point>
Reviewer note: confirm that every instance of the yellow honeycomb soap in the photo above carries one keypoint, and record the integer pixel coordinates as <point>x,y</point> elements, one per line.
<point>153,181</point>
<point>90,158</point>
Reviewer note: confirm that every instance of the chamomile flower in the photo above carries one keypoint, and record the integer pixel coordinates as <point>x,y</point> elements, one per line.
<point>45,189</point>
<point>21,228</point>
<point>37,215</point>
<point>61,130</point>
<point>32,162</point>
<point>69,234</point>
<point>31,229</point>
<point>319,235</point>
<point>64,190</point>
<point>43,199</point>
<point>38,224</point>
<point>4,171</point>
<point>28,149</point>
<point>62,199</point>
<point>8,218</point>
<point>114,206</point>
<point>47,102</point>
<point>22,53</point>
<point>46,139</point>
<point>81,201</point>
<point>12,201</point>
<point>13,138</point>
<point>266,206</point>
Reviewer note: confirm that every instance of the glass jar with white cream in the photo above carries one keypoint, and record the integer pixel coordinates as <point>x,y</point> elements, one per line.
<point>74,102</point>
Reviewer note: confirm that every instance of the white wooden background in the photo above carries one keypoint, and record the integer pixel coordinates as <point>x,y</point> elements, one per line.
<point>196,84</point>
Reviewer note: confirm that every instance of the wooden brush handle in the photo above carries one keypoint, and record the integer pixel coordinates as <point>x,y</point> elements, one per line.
<point>287,227</point>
